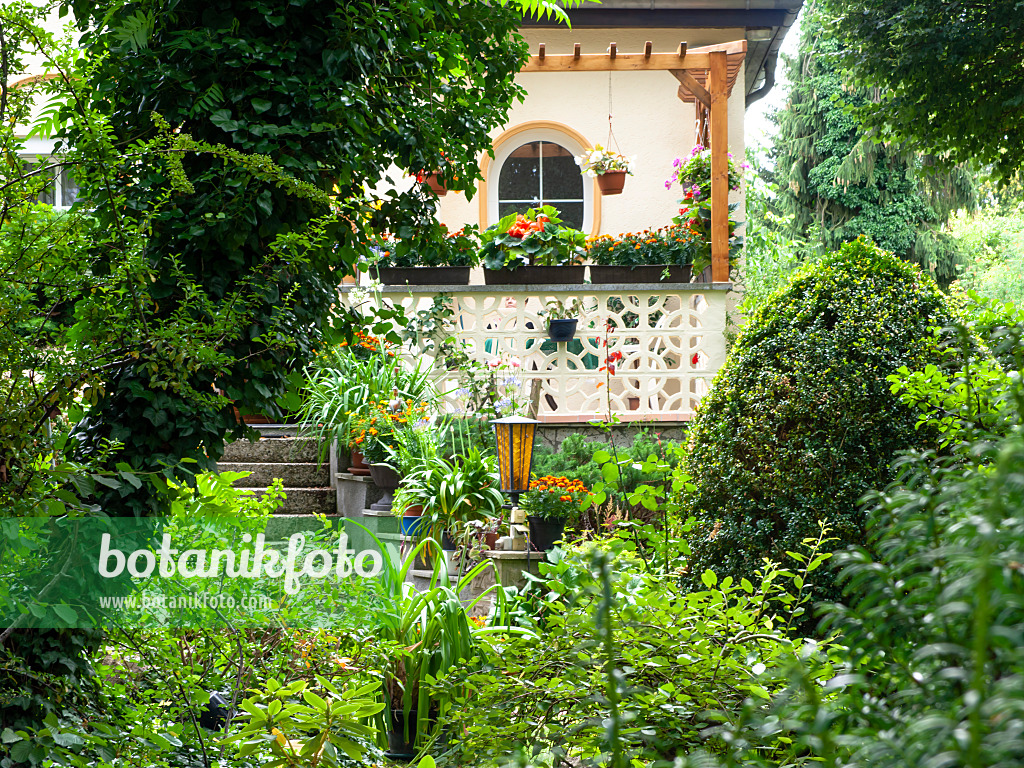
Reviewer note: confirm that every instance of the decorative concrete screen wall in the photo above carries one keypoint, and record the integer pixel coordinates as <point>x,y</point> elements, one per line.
<point>670,337</point>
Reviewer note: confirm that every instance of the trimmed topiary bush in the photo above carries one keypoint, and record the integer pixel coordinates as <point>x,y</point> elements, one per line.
<point>800,422</point>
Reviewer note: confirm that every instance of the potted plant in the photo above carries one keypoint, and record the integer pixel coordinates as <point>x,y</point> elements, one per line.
<point>562,318</point>
<point>694,176</point>
<point>610,168</point>
<point>550,504</point>
<point>532,247</point>
<point>434,256</point>
<point>348,380</point>
<point>451,490</point>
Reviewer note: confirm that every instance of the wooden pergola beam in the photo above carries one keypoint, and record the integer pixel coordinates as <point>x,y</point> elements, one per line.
<point>719,169</point>
<point>691,86</point>
<point>623,62</point>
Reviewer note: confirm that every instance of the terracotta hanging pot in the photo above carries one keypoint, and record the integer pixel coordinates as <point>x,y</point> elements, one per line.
<point>612,182</point>
<point>434,182</point>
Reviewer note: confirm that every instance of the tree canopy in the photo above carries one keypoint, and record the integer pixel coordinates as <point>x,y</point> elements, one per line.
<point>286,115</point>
<point>949,71</point>
<point>836,183</point>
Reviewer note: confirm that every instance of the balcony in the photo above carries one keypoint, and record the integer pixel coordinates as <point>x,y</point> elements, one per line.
<point>670,337</point>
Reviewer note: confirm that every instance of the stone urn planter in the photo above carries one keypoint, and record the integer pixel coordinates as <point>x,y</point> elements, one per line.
<point>386,478</point>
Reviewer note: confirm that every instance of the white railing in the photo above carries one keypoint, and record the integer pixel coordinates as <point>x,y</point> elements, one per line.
<point>670,338</point>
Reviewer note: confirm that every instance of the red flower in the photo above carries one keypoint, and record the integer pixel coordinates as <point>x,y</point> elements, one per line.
<point>696,358</point>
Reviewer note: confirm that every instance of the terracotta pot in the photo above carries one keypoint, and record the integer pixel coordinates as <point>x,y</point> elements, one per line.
<point>434,182</point>
<point>413,510</point>
<point>611,183</point>
<point>358,464</point>
<point>491,540</point>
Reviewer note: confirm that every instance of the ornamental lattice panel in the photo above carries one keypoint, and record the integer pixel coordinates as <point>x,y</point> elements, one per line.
<point>671,341</point>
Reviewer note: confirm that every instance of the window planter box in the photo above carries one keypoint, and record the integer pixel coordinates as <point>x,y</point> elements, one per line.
<point>646,273</point>
<point>567,275</point>
<point>423,275</point>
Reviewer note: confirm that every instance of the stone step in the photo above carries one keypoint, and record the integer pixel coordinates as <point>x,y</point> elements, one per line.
<point>272,449</point>
<point>304,501</point>
<point>294,475</point>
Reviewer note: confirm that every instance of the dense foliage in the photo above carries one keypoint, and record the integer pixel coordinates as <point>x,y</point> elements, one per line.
<point>838,182</point>
<point>948,72</point>
<point>625,668</point>
<point>992,244</point>
<point>415,88</point>
<point>800,422</point>
<point>929,662</point>
<point>223,150</point>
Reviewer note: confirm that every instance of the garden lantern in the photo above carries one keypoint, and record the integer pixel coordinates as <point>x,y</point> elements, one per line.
<point>514,438</point>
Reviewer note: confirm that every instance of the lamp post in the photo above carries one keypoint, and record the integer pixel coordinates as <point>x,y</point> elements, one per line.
<point>513,436</point>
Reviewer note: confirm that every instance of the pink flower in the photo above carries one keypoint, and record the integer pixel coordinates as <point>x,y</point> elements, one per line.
<point>516,362</point>
<point>493,364</point>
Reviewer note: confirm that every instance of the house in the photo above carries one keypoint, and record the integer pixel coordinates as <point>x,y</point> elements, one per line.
<point>614,78</point>
<point>640,112</point>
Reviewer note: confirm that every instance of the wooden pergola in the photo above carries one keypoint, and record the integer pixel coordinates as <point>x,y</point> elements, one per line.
<point>706,77</point>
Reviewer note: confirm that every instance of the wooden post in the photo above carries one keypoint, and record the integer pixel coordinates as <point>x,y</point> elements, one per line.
<point>719,168</point>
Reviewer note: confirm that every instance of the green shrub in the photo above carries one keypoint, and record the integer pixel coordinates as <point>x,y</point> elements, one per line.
<point>800,422</point>
<point>992,246</point>
<point>933,641</point>
<point>575,459</point>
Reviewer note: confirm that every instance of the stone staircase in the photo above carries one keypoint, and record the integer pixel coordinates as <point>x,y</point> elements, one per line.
<point>279,453</point>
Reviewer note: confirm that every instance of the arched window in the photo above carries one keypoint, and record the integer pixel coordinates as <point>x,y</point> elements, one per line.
<point>536,166</point>
<point>541,173</point>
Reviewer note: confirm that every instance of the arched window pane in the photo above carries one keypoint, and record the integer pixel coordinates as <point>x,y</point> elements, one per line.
<point>520,175</point>
<point>562,178</point>
<point>571,214</point>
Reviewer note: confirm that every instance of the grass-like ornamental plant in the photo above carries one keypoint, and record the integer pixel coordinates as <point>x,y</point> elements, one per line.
<point>426,633</point>
<point>347,383</point>
<point>801,422</point>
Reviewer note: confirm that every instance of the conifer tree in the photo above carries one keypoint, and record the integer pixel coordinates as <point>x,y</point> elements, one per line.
<point>838,183</point>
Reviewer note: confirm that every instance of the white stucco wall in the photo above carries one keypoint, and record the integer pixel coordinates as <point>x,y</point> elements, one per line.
<point>649,120</point>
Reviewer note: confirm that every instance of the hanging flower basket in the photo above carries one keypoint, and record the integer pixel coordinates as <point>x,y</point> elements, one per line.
<point>609,167</point>
<point>612,182</point>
